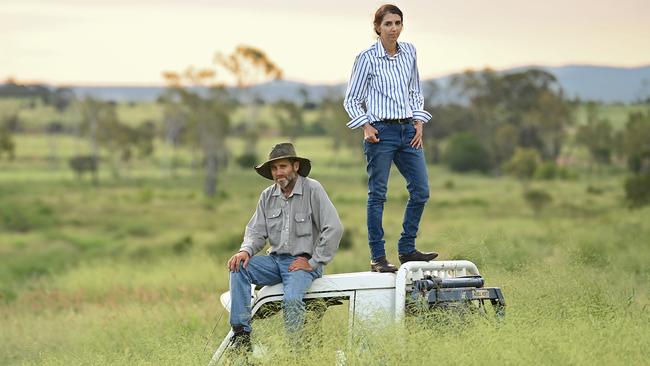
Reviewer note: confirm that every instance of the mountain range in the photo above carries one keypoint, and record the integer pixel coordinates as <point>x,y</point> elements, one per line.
<point>586,82</point>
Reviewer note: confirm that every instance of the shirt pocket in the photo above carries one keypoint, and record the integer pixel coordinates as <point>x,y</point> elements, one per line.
<point>303,224</point>
<point>274,220</point>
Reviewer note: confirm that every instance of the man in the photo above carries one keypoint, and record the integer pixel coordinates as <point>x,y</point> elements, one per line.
<point>303,229</point>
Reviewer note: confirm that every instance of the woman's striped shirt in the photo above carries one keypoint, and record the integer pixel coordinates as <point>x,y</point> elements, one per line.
<point>386,87</point>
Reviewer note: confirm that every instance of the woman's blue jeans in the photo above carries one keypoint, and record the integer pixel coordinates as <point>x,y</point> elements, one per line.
<point>270,270</point>
<point>394,146</point>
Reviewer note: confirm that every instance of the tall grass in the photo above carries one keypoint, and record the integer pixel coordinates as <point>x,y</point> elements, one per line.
<point>129,272</point>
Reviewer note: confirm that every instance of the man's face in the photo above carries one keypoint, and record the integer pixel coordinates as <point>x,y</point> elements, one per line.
<point>284,172</point>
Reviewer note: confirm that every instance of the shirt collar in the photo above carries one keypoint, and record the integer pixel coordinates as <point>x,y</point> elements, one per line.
<point>297,189</point>
<point>381,52</point>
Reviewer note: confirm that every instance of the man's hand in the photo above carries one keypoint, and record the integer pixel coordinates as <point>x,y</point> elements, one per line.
<point>370,133</point>
<point>417,139</point>
<point>234,262</point>
<point>300,263</point>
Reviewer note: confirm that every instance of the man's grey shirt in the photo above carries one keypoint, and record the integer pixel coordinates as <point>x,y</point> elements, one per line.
<point>304,222</point>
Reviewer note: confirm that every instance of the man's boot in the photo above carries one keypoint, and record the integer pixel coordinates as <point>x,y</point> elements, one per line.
<point>240,341</point>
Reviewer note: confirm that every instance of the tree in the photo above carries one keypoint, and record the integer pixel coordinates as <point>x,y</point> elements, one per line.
<point>636,142</point>
<point>537,199</point>
<point>523,164</point>
<point>333,117</point>
<point>249,66</point>
<point>636,145</point>
<point>175,123</point>
<point>92,111</point>
<point>525,108</point>
<point>102,125</point>
<point>53,129</point>
<point>207,118</point>
<point>597,136</point>
<point>465,153</point>
<point>290,118</point>
<point>7,144</point>
<point>447,119</point>
<point>61,98</point>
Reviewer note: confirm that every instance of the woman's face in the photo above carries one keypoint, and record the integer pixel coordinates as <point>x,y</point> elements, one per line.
<point>390,28</point>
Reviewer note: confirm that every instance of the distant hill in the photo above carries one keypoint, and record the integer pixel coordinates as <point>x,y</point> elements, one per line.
<point>603,83</point>
<point>587,82</point>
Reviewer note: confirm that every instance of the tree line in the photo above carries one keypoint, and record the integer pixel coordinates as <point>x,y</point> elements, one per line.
<point>518,123</point>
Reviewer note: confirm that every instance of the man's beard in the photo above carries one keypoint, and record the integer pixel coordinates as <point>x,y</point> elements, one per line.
<point>284,182</point>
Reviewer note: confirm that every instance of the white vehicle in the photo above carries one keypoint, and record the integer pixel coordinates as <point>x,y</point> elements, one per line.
<point>439,283</point>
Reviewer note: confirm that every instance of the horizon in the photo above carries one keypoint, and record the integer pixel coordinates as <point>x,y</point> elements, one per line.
<point>119,42</point>
<point>162,84</point>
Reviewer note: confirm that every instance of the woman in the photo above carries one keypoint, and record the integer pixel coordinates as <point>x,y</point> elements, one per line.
<point>385,80</point>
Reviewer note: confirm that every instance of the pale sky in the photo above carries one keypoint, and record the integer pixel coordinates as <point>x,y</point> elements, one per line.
<point>133,41</point>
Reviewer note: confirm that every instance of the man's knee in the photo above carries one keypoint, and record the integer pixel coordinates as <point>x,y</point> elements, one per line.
<point>241,275</point>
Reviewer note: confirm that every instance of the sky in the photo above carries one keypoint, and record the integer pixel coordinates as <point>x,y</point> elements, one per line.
<point>105,42</point>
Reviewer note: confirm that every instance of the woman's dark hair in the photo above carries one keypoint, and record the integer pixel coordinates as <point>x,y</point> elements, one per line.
<point>383,10</point>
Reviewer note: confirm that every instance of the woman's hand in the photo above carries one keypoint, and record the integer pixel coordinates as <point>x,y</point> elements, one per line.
<point>370,133</point>
<point>417,139</point>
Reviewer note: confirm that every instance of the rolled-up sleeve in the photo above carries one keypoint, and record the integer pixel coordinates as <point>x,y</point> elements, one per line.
<point>329,226</point>
<point>256,233</point>
<point>416,100</point>
<point>357,92</point>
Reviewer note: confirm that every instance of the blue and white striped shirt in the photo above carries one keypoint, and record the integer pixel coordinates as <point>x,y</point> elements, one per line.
<point>389,86</point>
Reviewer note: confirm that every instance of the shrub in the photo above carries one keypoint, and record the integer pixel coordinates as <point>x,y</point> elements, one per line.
<point>145,195</point>
<point>637,190</point>
<point>466,153</point>
<point>523,163</point>
<point>227,243</point>
<point>247,160</point>
<point>7,295</point>
<point>547,171</point>
<point>449,184</point>
<point>26,217</point>
<point>594,190</point>
<point>183,245</point>
<point>537,199</point>
<point>346,240</point>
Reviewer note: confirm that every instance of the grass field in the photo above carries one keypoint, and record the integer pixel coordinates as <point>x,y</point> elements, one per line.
<point>34,114</point>
<point>129,272</point>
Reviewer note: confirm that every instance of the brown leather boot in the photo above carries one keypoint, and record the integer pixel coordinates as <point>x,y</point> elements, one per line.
<point>417,256</point>
<point>381,264</point>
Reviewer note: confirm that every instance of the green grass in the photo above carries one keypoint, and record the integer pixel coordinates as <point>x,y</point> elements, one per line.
<point>34,115</point>
<point>617,114</point>
<point>129,271</point>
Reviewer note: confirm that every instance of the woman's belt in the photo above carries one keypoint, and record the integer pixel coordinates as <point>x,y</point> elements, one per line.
<point>401,121</point>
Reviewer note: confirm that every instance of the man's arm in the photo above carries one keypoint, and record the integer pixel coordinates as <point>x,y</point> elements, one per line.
<point>256,234</point>
<point>330,227</point>
<point>254,238</point>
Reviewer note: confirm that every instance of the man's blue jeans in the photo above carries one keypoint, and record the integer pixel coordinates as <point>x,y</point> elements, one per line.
<point>270,270</point>
<point>394,146</point>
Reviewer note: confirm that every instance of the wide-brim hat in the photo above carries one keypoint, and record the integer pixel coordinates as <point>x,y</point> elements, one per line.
<point>283,150</point>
